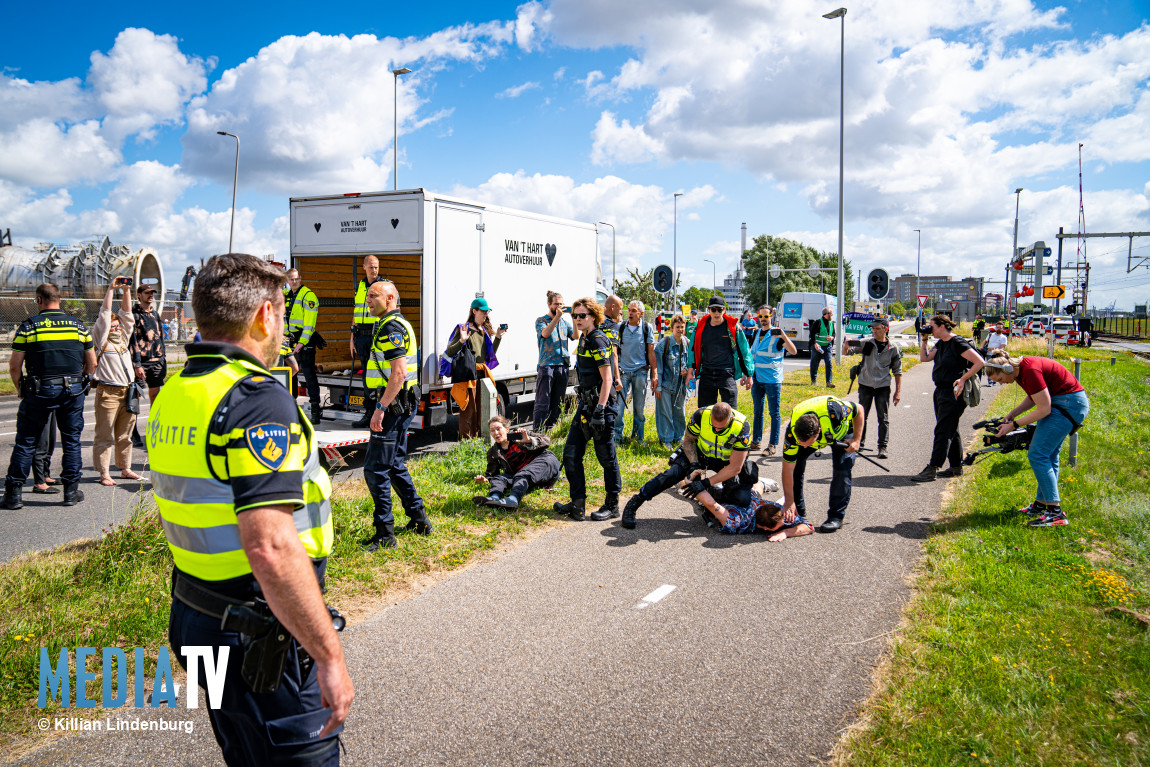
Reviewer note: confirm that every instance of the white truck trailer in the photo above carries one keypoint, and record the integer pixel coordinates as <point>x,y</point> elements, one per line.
<point>441,252</point>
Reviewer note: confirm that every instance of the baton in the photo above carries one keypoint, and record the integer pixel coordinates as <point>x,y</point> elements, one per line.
<point>864,457</point>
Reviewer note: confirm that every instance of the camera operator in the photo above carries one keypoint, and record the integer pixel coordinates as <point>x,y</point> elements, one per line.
<point>955,362</point>
<point>1056,401</point>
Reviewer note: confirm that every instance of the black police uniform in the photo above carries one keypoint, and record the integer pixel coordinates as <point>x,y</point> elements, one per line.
<point>594,351</point>
<point>54,344</point>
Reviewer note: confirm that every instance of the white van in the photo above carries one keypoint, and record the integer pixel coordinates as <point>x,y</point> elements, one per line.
<point>796,311</point>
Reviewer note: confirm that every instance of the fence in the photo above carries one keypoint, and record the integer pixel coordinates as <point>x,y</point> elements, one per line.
<point>1127,327</point>
<point>178,317</point>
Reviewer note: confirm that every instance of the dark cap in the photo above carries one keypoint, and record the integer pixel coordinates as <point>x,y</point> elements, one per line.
<point>145,288</point>
<point>717,300</point>
<point>880,321</point>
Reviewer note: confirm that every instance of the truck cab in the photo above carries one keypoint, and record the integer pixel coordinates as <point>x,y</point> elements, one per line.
<point>797,310</point>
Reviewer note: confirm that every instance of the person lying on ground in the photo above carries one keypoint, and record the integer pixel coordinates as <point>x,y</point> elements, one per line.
<point>517,463</point>
<point>760,515</point>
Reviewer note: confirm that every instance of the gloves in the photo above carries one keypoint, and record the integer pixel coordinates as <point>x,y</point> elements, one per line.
<point>598,418</point>
<point>696,487</point>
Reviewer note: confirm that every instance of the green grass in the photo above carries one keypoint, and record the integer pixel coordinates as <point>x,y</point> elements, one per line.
<point>1009,653</point>
<point>115,590</point>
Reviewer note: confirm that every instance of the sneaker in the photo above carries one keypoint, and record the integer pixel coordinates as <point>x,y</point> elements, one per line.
<point>770,449</point>
<point>755,446</point>
<point>1035,508</point>
<point>926,475</point>
<point>830,386</point>
<point>953,471</point>
<point>1052,518</point>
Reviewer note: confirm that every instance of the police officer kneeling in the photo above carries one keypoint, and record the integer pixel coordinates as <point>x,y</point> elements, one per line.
<point>717,439</point>
<point>816,423</point>
<point>60,357</point>
<point>244,505</point>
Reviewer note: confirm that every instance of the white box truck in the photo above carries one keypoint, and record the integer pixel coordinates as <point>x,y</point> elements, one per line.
<point>796,311</point>
<point>441,252</point>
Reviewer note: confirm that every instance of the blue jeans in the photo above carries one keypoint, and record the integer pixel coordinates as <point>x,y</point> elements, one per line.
<point>385,465</point>
<point>34,412</point>
<point>670,416</point>
<point>634,384</point>
<point>1046,444</point>
<point>816,358</point>
<point>773,392</point>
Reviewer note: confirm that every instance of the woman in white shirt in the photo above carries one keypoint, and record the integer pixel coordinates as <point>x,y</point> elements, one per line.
<point>114,424</point>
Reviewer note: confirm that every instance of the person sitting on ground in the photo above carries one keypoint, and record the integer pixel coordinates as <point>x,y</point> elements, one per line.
<point>517,463</point>
<point>717,439</point>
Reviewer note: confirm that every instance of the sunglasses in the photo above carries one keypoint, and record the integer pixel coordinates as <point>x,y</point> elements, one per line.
<point>714,309</point>
<point>764,316</point>
<point>578,315</point>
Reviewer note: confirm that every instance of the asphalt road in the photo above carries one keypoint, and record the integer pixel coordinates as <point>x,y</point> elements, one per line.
<point>670,645</point>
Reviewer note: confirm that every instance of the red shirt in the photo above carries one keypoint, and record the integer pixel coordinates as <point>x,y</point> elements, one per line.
<point>1038,373</point>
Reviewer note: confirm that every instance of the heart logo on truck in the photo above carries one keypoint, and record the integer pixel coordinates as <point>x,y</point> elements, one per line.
<point>316,225</point>
<point>550,250</point>
<point>394,223</point>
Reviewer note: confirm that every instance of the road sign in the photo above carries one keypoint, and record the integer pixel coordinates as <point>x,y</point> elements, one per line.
<point>922,301</point>
<point>813,271</point>
<point>1054,291</point>
<point>1028,271</point>
<point>954,306</point>
<point>774,271</point>
<point>857,323</point>
<point>662,278</point>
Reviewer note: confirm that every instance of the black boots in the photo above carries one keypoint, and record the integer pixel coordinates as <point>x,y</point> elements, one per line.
<point>609,509</point>
<point>420,526</point>
<point>383,539</point>
<point>72,494</point>
<point>575,509</point>
<point>316,415</point>
<point>629,510</point>
<point>926,475</point>
<point>13,497</point>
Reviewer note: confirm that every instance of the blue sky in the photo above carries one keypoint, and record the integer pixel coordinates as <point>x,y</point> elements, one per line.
<point>595,111</point>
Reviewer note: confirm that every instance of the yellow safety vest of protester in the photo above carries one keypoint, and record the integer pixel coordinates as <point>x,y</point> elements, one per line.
<point>386,339</point>
<point>191,466</point>
<point>719,445</point>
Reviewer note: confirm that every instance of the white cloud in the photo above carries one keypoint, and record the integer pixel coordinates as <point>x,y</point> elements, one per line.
<point>42,153</point>
<point>516,91</point>
<point>619,141</point>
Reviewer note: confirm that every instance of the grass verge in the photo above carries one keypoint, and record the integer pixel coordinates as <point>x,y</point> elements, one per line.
<point>114,591</point>
<point>1015,649</point>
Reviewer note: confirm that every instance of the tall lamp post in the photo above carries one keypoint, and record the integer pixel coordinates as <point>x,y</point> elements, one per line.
<point>1013,253</point>
<point>235,178</point>
<point>675,268</point>
<point>604,223</point>
<point>714,284</point>
<point>395,73</point>
<point>918,271</point>
<point>840,14</point>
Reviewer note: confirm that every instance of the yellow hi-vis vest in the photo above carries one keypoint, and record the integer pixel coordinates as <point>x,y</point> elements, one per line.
<point>820,407</point>
<point>190,469</point>
<point>302,318</point>
<point>378,368</point>
<point>362,314</point>
<point>717,445</point>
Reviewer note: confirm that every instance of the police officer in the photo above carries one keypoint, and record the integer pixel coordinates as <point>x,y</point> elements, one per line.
<point>60,356</point>
<point>594,416</point>
<point>302,309</point>
<point>717,439</point>
<point>393,386</point>
<point>244,505</point>
<point>816,423</point>
<point>361,326</point>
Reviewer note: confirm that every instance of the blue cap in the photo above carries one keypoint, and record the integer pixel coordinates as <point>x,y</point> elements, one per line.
<point>481,304</point>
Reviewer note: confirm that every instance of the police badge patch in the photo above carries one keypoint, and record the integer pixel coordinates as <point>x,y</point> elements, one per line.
<point>269,442</point>
<point>396,339</point>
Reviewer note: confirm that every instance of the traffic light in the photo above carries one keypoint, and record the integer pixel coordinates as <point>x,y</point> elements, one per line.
<point>877,284</point>
<point>662,279</point>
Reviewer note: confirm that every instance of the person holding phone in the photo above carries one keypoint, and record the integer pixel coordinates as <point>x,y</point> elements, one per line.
<point>518,462</point>
<point>768,347</point>
<point>112,335</point>
<point>552,332</point>
<point>482,340</point>
<point>881,362</point>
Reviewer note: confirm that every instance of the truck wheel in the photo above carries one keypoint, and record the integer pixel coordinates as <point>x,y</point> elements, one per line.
<point>504,398</point>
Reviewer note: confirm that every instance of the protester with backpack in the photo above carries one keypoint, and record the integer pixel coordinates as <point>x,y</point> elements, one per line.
<point>1056,401</point>
<point>636,358</point>
<point>472,347</point>
<point>956,364</point>
<point>720,355</point>
<point>674,367</point>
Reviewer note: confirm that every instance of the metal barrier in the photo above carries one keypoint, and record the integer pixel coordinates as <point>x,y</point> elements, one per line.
<point>177,315</point>
<point>1125,327</point>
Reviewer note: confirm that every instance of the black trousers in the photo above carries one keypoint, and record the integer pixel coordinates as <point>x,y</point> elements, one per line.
<point>42,461</point>
<point>604,442</point>
<point>34,411</point>
<point>385,467</point>
<point>306,360</point>
<point>881,399</point>
<point>947,413</point>
<point>842,464</point>
<point>716,385</point>
<point>363,350</point>
<point>542,471</point>
<point>736,492</point>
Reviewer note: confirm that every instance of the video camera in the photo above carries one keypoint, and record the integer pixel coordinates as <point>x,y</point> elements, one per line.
<point>1019,439</point>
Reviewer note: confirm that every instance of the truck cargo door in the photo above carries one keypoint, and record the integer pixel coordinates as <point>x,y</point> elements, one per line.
<point>458,247</point>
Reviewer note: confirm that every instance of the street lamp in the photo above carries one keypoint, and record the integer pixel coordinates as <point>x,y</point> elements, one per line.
<point>395,124</point>
<point>235,178</point>
<point>604,223</point>
<point>675,268</point>
<point>714,284</point>
<point>1013,253</point>
<point>840,14</point>
<point>918,271</point>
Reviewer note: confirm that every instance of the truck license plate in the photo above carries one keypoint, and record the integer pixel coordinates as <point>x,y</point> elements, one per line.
<point>355,400</point>
<point>792,333</point>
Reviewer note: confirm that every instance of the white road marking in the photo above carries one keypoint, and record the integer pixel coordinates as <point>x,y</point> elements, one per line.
<point>658,594</point>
